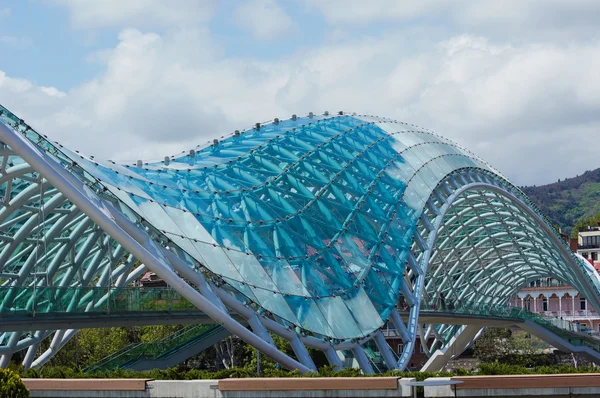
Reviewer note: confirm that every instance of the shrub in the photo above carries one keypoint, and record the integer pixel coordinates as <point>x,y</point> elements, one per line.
<point>499,368</point>
<point>11,385</point>
<point>179,373</point>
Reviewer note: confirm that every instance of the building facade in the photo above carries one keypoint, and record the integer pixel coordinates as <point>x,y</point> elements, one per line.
<point>558,300</point>
<point>552,297</point>
<point>588,245</point>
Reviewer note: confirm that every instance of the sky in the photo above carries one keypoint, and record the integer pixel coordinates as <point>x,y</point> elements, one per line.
<point>517,82</point>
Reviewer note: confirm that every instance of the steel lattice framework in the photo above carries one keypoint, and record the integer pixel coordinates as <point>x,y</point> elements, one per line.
<point>311,228</point>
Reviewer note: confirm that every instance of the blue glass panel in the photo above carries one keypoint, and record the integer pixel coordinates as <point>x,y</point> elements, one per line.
<point>364,312</point>
<point>338,317</point>
<point>311,219</point>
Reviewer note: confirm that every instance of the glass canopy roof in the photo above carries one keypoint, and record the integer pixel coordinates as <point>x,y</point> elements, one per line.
<point>309,218</point>
<point>319,226</point>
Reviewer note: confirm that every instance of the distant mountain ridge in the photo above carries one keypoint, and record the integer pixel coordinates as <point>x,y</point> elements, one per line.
<point>569,201</point>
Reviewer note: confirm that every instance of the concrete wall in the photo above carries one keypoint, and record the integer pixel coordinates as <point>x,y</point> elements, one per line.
<point>372,387</point>
<point>539,386</point>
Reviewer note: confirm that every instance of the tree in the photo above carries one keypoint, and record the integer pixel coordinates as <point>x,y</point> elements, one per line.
<point>226,353</point>
<point>504,345</point>
<point>493,344</point>
<point>91,345</point>
<point>525,344</point>
<point>149,334</point>
<point>11,385</point>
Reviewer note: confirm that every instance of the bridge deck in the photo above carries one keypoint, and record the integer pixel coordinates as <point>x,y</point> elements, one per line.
<point>88,320</point>
<point>453,318</point>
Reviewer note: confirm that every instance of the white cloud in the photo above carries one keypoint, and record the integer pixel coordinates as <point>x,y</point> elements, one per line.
<point>507,19</point>
<point>52,92</point>
<point>29,101</point>
<point>14,85</point>
<point>17,42</point>
<point>357,11</point>
<point>521,106</point>
<point>155,97</point>
<point>264,19</point>
<point>99,56</point>
<point>140,13</point>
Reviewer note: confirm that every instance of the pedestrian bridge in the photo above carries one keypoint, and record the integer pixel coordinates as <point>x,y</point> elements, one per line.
<point>314,228</point>
<point>450,330</point>
<point>79,308</point>
<point>450,327</point>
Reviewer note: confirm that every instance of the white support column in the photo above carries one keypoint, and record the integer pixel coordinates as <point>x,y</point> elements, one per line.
<point>386,352</point>
<point>30,356</point>
<point>61,337</point>
<point>333,359</point>
<point>363,361</point>
<point>209,292</point>
<point>12,342</point>
<point>560,306</point>
<point>302,353</point>
<point>454,347</point>
<point>399,324</point>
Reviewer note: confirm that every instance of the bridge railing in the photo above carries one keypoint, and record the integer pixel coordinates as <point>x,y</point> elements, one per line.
<point>54,300</point>
<point>473,309</point>
<point>165,347</point>
<point>568,330</point>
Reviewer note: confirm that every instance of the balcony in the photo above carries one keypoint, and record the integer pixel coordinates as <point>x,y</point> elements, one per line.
<point>590,246</point>
<point>572,315</point>
<point>390,332</point>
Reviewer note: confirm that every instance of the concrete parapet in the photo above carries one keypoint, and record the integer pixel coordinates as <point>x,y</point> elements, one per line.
<point>373,387</point>
<point>440,390</point>
<point>404,389</point>
<point>360,387</point>
<point>87,388</point>
<point>556,386</point>
<point>183,389</point>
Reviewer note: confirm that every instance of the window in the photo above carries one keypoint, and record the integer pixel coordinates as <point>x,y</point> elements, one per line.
<point>400,349</point>
<point>544,304</point>
<point>584,254</point>
<point>582,304</point>
<point>595,256</point>
<point>421,350</point>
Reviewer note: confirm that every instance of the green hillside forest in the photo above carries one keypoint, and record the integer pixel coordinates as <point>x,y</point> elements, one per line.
<point>570,204</point>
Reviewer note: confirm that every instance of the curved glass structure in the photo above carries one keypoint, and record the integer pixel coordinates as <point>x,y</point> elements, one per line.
<point>313,228</point>
<point>310,219</point>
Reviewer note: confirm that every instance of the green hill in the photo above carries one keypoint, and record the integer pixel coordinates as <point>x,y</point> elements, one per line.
<point>569,201</point>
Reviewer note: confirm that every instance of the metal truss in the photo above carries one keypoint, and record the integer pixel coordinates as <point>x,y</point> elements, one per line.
<point>311,228</point>
<point>491,242</point>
